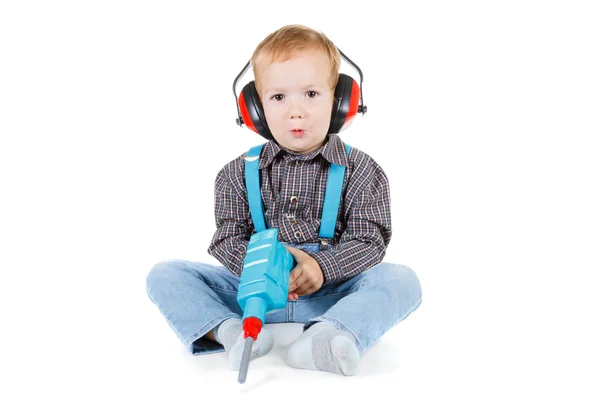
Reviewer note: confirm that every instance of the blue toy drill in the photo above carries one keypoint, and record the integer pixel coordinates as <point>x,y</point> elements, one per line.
<point>265,277</point>
<point>263,286</point>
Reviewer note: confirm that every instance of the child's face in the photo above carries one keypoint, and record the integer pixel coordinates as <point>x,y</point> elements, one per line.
<point>297,100</point>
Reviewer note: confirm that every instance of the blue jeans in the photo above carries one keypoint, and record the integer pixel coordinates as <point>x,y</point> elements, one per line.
<point>195,297</point>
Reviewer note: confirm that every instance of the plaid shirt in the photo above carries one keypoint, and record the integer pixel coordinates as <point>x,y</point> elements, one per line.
<point>293,191</point>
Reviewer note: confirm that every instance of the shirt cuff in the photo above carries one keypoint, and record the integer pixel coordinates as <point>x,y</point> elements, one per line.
<point>329,265</point>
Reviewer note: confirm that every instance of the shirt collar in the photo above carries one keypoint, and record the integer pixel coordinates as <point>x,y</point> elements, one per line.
<point>333,151</point>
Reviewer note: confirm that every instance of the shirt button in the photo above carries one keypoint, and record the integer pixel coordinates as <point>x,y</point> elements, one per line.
<point>297,162</point>
<point>293,199</point>
<point>297,235</point>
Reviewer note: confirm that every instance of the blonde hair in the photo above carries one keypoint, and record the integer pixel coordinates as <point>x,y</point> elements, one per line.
<point>289,40</point>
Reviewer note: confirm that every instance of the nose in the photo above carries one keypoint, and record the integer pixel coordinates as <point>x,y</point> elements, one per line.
<point>296,111</point>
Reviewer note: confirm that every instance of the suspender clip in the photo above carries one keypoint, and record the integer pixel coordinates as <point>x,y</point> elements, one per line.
<point>324,244</point>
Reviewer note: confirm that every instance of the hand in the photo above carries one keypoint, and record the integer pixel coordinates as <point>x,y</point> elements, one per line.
<point>306,277</point>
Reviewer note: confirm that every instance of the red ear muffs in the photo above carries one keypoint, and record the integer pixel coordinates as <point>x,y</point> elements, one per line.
<point>345,107</point>
<point>252,111</point>
<point>345,103</point>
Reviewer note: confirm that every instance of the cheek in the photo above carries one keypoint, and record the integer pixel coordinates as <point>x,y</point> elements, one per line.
<point>273,108</point>
<point>272,114</point>
<point>327,106</point>
<point>325,113</point>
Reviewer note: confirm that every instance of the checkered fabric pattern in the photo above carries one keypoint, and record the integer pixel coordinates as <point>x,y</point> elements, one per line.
<point>293,191</point>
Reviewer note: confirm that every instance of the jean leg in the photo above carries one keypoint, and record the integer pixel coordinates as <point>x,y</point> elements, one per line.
<point>367,305</point>
<point>194,298</point>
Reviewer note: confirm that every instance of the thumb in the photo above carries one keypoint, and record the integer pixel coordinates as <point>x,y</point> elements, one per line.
<point>296,253</point>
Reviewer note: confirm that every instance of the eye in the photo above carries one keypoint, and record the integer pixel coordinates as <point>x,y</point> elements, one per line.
<point>277,97</point>
<point>312,94</point>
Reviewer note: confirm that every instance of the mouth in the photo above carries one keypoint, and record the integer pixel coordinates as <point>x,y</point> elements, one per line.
<point>298,132</point>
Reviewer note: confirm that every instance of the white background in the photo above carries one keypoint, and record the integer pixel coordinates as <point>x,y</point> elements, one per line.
<point>115,117</point>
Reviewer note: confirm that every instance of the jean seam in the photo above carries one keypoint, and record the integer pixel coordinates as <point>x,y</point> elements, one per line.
<point>222,289</point>
<point>410,311</point>
<point>327,295</point>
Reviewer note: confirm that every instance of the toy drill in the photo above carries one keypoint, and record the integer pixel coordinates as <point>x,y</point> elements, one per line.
<point>263,286</point>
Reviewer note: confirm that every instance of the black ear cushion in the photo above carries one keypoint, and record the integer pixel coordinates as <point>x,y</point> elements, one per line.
<point>341,104</point>
<point>254,111</point>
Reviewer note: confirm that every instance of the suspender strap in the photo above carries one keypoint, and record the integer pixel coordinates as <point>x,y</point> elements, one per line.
<point>253,187</point>
<point>331,205</point>
<point>333,195</point>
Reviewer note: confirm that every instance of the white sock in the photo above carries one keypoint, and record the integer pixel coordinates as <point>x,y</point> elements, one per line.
<point>323,347</point>
<point>231,335</point>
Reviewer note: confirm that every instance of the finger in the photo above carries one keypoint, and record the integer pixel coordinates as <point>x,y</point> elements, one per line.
<point>304,289</point>
<point>296,253</point>
<point>301,280</point>
<point>295,274</point>
<point>306,292</point>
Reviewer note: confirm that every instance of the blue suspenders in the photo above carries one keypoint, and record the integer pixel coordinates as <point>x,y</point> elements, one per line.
<point>333,193</point>
<point>253,187</point>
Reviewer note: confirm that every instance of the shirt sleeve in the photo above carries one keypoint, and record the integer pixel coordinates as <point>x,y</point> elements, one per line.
<point>363,243</point>
<point>232,217</point>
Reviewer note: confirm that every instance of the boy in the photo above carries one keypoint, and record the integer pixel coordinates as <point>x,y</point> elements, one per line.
<point>346,297</point>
